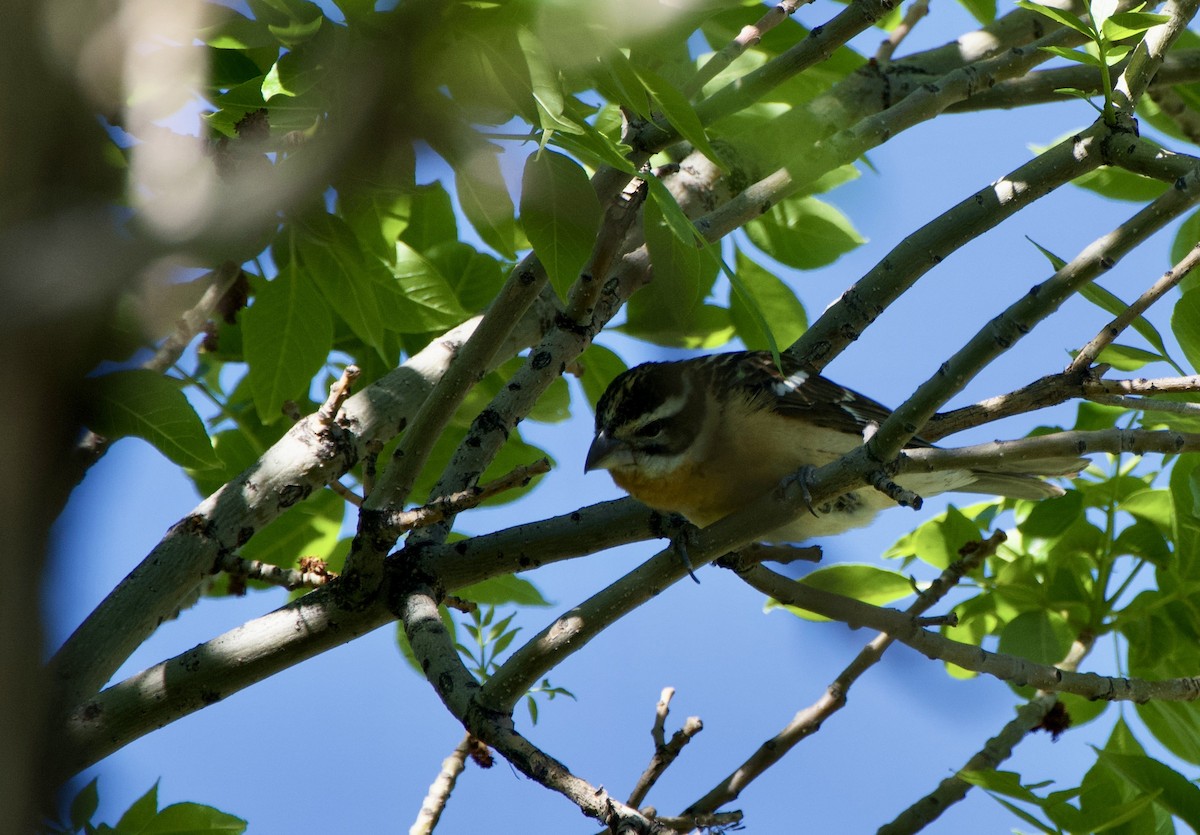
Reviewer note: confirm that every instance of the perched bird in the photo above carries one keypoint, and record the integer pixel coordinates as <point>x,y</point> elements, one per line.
<point>708,436</point>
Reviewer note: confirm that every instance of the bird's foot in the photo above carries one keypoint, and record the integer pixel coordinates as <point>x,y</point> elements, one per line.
<point>682,534</point>
<point>802,479</point>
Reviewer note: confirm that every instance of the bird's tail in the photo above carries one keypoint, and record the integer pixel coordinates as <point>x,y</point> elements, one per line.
<point>1025,482</point>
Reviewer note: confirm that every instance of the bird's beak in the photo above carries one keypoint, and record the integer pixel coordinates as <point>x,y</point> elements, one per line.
<point>606,453</point>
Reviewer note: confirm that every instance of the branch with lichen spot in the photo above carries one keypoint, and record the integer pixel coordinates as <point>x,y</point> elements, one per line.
<point>1148,55</point>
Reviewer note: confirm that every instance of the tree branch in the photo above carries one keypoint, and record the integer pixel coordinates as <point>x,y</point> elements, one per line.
<point>809,720</point>
<point>1008,668</point>
<point>665,752</point>
<point>996,750</point>
<point>439,791</point>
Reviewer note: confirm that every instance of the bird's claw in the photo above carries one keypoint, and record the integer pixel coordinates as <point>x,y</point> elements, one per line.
<point>682,533</point>
<point>803,478</point>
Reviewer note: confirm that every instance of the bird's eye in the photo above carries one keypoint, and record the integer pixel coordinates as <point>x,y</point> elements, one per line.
<point>651,430</point>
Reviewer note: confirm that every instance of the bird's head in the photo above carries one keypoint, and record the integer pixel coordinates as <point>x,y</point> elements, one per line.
<point>645,421</point>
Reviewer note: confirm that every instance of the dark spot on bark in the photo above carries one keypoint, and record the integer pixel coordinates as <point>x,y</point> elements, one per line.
<point>293,493</point>
<point>91,711</point>
<point>244,535</point>
<point>460,547</point>
<point>210,697</point>
<point>575,517</point>
<point>526,277</point>
<point>540,360</point>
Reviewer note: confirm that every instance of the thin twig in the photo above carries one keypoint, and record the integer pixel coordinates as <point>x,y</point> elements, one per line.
<point>311,576</point>
<point>1145,404</point>
<point>440,789</point>
<point>338,392</point>
<point>665,752</point>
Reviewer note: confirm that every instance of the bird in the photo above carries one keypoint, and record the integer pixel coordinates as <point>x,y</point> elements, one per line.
<point>707,436</point>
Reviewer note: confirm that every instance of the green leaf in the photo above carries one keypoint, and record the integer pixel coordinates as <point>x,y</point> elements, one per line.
<point>193,819</point>
<point>485,201</point>
<point>140,813</point>
<point>1052,517</point>
<point>1185,323</point>
<point>618,81</point>
<point>983,11</point>
<point>1059,16</point>
<point>428,218</point>
<point>938,541</point>
<point>759,295</point>
<point>1055,261</point>
<point>503,590</point>
<point>85,804</point>
<point>420,299</point>
<point>560,214</point>
<point>148,405</point>
<point>545,85</point>
<point>287,334</point>
<point>1175,793</point>
<point>804,232</point>
<point>679,112</point>
<point>867,583</point>
<point>600,367</point>
<point>1102,298</point>
<point>1174,724</point>
<point>1125,24</point>
<point>1039,636</point>
<point>1118,184</point>
<point>1187,238</point>
<point>671,309</point>
<point>1127,358</point>
<point>1076,55</point>
<point>330,258</point>
<point>476,278</point>
<point>309,528</point>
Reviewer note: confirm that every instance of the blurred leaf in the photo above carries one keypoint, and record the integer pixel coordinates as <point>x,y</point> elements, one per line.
<point>485,201</point>
<point>1059,16</point>
<point>476,278</point>
<point>545,86</point>
<point>502,590</point>
<point>982,10</point>
<point>189,818</point>
<point>152,407</point>
<point>804,232</point>
<point>560,214</point>
<point>85,804</point>
<point>428,218</point>
<point>287,335</point>
<point>1076,55</point>
<point>138,816</point>
<point>1176,725</point>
